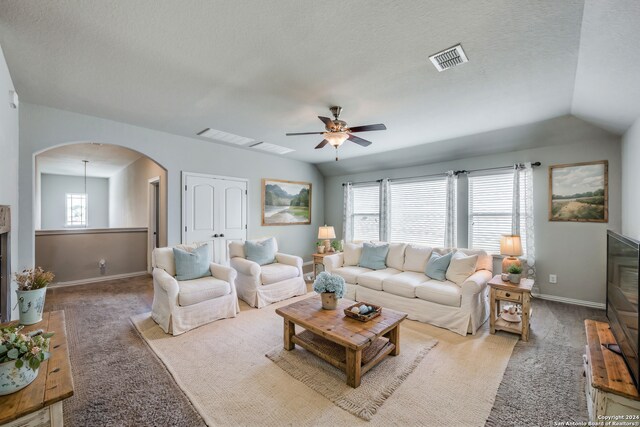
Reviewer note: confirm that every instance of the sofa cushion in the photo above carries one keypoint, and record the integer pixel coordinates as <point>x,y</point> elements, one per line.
<point>261,252</point>
<point>437,265</point>
<point>374,256</point>
<point>350,273</point>
<point>277,272</point>
<point>445,293</point>
<point>395,257</point>
<point>373,280</point>
<point>461,267</point>
<point>352,253</point>
<point>416,257</point>
<point>163,257</point>
<point>192,264</point>
<point>485,261</point>
<point>404,284</point>
<point>203,289</point>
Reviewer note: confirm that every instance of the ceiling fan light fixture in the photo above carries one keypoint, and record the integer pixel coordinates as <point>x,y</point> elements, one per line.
<point>336,139</point>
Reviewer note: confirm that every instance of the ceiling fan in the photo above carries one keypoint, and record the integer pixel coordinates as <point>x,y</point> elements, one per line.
<point>337,131</point>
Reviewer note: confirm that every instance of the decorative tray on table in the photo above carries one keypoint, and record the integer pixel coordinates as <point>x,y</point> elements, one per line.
<point>374,311</point>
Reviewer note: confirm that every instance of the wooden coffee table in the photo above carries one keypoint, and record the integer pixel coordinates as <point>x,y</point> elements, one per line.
<point>349,345</point>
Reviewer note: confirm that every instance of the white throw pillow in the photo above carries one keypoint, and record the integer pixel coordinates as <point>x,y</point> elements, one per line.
<point>395,256</point>
<point>485,261</point>
<point>352,253</point>
<point>416,257</point>
<point>461,267</point>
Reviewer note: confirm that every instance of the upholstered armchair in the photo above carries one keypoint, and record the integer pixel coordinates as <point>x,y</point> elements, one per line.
<point>179,306</point>
<point>261,285</point>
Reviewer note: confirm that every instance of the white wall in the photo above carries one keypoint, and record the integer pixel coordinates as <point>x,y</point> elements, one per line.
<point>54,189</point>
<point>129,196</point>
<point>631,181</point>
<point>45,127</point>
<point>574,251</point>
<point>9,131</point>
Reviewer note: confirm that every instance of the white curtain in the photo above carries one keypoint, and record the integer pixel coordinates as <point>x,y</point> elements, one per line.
<point>515,212</point>
<point>347,213</point>
<point>526,174</point>
<point>450,224</point>
<point>385,209</point>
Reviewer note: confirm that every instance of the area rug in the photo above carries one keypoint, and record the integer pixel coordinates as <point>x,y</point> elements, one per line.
<point>222,369</point>
<point>377,385</point>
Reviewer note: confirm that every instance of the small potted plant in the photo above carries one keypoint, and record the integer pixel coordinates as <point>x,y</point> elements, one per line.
<point>336,245</point>
<point>331,288</point>
<point>32,290</point>
<point>20,357</point>
<point>515,274</point>
<point>320,246</point>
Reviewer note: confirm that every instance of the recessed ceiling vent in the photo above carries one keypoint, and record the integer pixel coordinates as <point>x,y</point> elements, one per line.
<point>449,58</point>
<point>219,135</point>
<point>271,148</point>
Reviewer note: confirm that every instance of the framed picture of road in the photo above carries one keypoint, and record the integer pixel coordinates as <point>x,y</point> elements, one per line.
<point>579,192</point>
<point>286,202</point>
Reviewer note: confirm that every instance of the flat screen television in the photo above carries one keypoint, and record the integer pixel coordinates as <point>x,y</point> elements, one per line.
<point>623,256</point>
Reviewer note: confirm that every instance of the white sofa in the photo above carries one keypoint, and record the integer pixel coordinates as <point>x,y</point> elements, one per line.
<point>179,306</point>
<point>404,286</point>
<point>259,285</point>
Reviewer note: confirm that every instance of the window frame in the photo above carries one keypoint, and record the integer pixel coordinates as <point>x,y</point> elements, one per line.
<point>69,197</point>
<point>355,214</point>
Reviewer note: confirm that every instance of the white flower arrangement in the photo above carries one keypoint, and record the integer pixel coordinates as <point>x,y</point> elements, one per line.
<point>326,282</point>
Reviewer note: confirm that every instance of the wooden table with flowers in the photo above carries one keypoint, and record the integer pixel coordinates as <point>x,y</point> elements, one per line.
<point>40,403</point>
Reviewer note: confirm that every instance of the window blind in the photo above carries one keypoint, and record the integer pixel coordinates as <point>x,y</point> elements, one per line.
<point>366,212</point>
<point>418,212</point>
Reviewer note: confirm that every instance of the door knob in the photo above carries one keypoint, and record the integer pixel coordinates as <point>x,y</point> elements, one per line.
<point>221,235</point>
<point>215,235</point>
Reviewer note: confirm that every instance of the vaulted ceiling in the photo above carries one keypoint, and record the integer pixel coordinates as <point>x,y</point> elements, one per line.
<point>260,69</point>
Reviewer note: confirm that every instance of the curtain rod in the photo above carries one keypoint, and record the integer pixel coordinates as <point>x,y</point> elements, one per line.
<point>459,172</point>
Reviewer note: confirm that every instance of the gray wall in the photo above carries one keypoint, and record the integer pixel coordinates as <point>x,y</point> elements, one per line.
<point>45,127</point>
<point>53,200</point>
<point>129,196</point>
<point>75,254</point>
<point>574,251</point>
<point>631,181</point>
<point>9,130</point>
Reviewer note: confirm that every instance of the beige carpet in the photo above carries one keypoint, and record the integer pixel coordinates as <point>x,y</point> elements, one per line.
<point>376,387</point>
<point>222,368</point>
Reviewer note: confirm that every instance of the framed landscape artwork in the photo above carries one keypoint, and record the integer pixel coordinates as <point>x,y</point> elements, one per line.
<point>579,192</point>
<point>286,202</point>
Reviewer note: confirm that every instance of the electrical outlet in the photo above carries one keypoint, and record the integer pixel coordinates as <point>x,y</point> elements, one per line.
<point>553,278</point>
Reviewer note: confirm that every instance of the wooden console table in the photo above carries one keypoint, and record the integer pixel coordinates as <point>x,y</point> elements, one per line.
<point>40,403</point>
<point>609,387</point>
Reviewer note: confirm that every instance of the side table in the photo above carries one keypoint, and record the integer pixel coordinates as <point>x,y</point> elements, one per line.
<point>519,294</point>
<point>319,259</point>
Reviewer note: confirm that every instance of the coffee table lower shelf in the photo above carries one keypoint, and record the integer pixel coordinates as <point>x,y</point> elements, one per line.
<point>336,354</point>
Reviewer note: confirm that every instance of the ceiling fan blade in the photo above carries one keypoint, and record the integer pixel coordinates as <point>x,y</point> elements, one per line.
<point>305,133</point>
<point>367,128</point>
<point>327,121</point>
<point>322,144</point>
<point>359,140</point>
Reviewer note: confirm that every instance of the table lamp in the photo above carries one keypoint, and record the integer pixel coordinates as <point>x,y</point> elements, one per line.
<point>327,233</point>
<point>511,246</point>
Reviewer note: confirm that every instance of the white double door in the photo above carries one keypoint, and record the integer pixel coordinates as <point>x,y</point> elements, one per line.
<point>214,212</point>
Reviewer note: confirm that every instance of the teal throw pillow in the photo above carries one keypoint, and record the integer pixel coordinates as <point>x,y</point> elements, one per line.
<point>192,265</point>
<point>374,256</point>
<point>263,252</point>
<point>437,266</point>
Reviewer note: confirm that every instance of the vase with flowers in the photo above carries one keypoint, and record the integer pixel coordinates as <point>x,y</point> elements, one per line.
<point>32,290</point>
<point>20,357</point>
<point>331,288</point>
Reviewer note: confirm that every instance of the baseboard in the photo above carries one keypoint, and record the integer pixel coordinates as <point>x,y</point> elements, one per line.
<point>572,301</point>
<point>98,279</point>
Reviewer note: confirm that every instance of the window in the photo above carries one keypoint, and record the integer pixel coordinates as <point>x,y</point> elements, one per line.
<point>490,210</point>
<point>418,212</point>
<point>366,212</point>
<point>76,207</point>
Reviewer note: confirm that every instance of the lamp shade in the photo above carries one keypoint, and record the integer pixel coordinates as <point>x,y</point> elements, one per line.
<point>510,245</point>
<point>326,232</point>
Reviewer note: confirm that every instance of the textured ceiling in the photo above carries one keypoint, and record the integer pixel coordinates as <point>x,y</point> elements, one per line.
<point>261,69</point>
<point>104,160</point>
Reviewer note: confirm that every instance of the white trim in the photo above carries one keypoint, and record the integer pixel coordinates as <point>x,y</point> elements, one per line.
<point>572,301</point>
<point>98,279</point>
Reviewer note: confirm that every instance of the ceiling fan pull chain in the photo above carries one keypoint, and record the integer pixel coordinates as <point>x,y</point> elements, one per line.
<point>336,154</point>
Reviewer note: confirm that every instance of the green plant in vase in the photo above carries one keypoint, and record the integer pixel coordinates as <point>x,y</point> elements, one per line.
<point>337,245</point>
<point>320,246</point>
<point>32,290</point>
<point>515,273</point>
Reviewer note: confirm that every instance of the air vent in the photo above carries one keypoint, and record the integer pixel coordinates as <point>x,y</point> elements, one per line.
<point>219,135</point>
<point>449,58</point>
<point>271,148</point>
